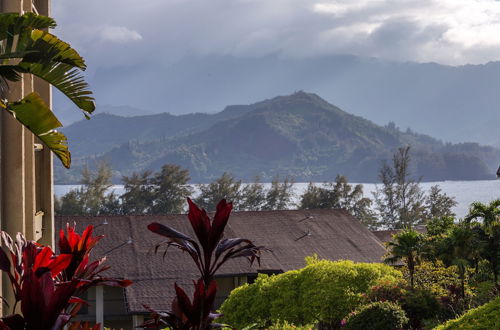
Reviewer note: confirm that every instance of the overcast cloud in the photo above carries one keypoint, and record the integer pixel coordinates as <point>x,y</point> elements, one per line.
<point>117,32</point>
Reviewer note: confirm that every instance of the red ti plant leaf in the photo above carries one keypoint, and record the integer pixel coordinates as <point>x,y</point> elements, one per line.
<point>76,245</point>
<point>48,299</point>
<point>216,251</point>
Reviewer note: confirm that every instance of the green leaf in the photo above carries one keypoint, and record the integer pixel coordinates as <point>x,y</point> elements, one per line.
<point>35,115</point>
<point>54,61</point>
<point>13,24</point>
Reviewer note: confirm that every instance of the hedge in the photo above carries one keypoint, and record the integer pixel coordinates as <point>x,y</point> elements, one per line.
<point>379,315</point>
<point>485,317</point>
<point>324,291</point>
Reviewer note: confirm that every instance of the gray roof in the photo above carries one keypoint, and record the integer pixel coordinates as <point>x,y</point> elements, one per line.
<point>290,235</point>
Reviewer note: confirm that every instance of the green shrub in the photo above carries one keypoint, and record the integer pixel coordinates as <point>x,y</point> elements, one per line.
<point>434,276</point>
<point>420,305</point>
<point>380,315</point>
<point>386,290</point>
<point>484,292</point>
<point>284,325</point>
<point>322,291</point>
<point>485,317</point>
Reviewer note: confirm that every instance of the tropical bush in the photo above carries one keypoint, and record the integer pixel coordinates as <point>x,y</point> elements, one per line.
<point>485,317</point>
<point>386,290</point>
<point>484,292</point>
<point>324,291</point>
<point>420,305</point>
<point>435,276</point>
<point>284,325</point>
<point>380,315</point>
<point>45,285</point>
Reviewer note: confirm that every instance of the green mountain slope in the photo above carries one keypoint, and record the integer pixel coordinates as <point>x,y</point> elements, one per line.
<point>106,131</point>
<point>299,135</point>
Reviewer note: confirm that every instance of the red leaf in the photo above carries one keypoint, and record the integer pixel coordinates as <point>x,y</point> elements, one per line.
<point>209,298</point>
<point>59,263</point>
<point>200,222</point>
<point>184,303</point>
<point>220,221</point>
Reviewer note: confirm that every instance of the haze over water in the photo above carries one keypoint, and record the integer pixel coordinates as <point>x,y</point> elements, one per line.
<point>465,192</point>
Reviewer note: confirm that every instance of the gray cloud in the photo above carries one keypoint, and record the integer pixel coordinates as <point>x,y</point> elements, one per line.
<point>119,32</point>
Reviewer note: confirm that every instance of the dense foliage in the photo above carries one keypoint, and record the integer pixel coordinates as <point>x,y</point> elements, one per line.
<point>339,194</point>
<point>323,291</point>
<point>377,316</point>
<point>485,317</point>
<point>46,286</point>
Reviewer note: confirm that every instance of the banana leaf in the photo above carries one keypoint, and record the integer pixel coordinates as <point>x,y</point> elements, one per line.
<point>36,116</point>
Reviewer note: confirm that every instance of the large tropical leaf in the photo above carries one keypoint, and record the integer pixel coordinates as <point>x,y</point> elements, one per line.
<point>13,25</point>
<point>54,61</point>
<point>35,115</point>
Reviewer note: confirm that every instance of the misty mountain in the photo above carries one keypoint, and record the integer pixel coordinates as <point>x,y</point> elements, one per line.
<point>68,113</point>
<point>455,104</point>
<point>109,130</point>
<point>300,135</point>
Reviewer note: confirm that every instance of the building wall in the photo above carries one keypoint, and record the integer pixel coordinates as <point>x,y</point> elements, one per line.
<point>114,311</point>
<point>26,190</point>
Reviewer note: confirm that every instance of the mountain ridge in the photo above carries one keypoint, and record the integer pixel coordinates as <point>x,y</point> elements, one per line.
<point>300,135</point>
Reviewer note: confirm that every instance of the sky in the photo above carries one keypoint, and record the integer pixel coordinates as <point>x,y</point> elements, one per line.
<point>123,32</point>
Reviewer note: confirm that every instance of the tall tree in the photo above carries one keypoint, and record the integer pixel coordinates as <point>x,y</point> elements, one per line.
<point>253,196</point>
<point>138,196</point>
<point>339,194</point>
<point>488,232</point>
<point>225,187</point>
<point>438,204</point>
<point>400,201</point>
<point>170,189</point>
<point>407,246</point>
<point>26,48</point>
<point>280,195</point>
<point>92,197</point>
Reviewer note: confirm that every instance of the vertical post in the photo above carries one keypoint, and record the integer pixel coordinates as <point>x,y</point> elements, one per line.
<point>12,166</point>
<point>137,320</point>
<point>99,305</point>
<point>45,175</point>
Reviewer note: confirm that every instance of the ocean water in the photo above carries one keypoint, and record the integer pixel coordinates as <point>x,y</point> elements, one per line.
<point>464,192</point>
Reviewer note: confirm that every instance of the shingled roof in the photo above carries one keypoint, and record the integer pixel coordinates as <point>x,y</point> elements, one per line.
<point>290,235</point>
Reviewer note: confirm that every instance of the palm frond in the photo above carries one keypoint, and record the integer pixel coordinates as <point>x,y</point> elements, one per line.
<point>35,115</point>
<point>66,79</point>
<point>13,24</point>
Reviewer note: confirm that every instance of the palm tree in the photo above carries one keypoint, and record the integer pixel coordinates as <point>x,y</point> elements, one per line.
<point>488,232</point>
<point>489,213</point>
<point>407,246</point>
<point>25,48</point>
<point>459,248</point>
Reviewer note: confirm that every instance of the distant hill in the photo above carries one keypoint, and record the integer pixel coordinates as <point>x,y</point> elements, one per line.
<point>300,135</point>
<point>105,131</point>
<point>453,103</point>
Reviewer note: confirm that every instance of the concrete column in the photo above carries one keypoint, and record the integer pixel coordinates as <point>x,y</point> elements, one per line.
<point>99,305</point>
<point>12,6</point>
<point>44,175</point>
<point>29,168</point>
